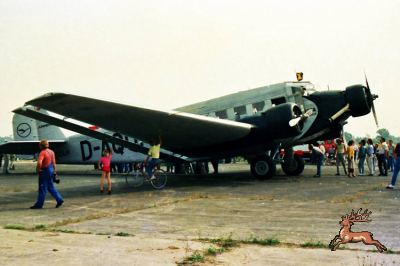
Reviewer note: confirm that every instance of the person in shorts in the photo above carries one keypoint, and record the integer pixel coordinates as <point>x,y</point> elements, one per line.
<point>104,166</point>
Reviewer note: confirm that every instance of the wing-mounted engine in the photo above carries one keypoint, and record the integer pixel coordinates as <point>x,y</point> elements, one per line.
<point>275,121</point>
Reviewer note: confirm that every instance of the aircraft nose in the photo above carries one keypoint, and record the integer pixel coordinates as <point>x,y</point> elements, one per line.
<point>361,100</point>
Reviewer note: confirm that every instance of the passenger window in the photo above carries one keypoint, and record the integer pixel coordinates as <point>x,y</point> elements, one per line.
<point>221,114</point>
<point>258,107</point>
<point>241,110</point>
<point>278,101</point>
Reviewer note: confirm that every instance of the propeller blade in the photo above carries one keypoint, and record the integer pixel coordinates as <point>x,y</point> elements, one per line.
<point>309,112</point>
<point>371,97</point>
<point>366,80</point>
<point>294,121</point>
<point>374,112</point>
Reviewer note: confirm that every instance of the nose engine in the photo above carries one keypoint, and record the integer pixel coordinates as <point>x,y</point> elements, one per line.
<point>360,99</point>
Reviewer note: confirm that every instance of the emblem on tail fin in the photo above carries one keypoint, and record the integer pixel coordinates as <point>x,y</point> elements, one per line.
<point>347,236</point>
<point>24,130</point>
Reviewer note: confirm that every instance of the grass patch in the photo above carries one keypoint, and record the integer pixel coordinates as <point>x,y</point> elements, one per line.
<point>211,251</point>
<point>14,226</point>
<point>17,189</point>
<point>215,240</point>
<point>103,234</point>
<point>122,234</point>
<point>64,230</point>
<point>197,256</point>
<point>265,242</point>
<point>39,226</point>
<point>318,244</point>
<point>214,251</point>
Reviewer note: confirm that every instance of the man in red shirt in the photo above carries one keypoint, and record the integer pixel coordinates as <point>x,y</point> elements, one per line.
<point>46,167</point>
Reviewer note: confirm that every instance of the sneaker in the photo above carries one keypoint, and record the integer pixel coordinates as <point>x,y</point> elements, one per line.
<point>34,207</point>
<point>153,178</point>
<point>360,174</point>
<point>390,186</point>
<point>317,176</point>
<point>338,174</point>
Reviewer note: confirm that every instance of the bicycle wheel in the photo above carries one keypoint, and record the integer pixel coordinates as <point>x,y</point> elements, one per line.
<point>134,179</point>
<point>161,179</point>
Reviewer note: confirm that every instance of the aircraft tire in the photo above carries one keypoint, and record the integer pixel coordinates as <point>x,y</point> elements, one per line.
<point>298,168</point>
<point>263,167</point>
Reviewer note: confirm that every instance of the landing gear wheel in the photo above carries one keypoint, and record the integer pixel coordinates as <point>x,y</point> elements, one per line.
<point>296,168</point>
<point>263,167</point>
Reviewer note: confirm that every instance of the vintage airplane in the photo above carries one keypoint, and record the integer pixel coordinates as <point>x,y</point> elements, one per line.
<point>76,149</point>
<point>253,123</point>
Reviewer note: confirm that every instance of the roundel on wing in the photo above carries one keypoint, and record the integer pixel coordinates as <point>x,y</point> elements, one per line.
<point>24,130</point>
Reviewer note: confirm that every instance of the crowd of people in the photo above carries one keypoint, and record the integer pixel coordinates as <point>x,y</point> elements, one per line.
<point>381,154</point>
<point>9,160</point>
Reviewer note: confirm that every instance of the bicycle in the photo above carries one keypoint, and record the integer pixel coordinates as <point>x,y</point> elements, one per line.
<point>137,178</point>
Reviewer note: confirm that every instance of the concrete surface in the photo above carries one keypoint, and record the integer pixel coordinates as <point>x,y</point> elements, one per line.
<point>165,225</point>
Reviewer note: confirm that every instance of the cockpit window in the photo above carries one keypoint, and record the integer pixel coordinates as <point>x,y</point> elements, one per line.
<point>240,110</point>
<point>221,114</point>
<point>278,101</point>
<point>258,107</point>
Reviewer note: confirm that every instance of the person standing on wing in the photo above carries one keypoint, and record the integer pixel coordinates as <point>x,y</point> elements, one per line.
<point>154,153</point>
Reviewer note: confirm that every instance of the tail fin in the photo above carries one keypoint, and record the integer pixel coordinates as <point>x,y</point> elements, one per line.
<point>28,129</point>
<point>24,128</point>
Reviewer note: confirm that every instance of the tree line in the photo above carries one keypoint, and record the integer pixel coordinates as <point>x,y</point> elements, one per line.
<point>383,132</point>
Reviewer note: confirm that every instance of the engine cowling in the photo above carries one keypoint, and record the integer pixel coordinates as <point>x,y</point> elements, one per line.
<point>358,98</point>
<point>275,121</point>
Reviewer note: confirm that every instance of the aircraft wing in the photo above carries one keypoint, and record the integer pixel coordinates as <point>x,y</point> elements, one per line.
<point>26,147</point>
<point>178,129</point>
<point>28,112</point>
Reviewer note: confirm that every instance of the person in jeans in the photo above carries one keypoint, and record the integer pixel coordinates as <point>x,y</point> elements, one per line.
<point>396,167</point>
<point>154,153</point>
<point>381,154</point>
<point>46,168</point>
<point>391,159</point>
<point>320,157</point>
<point>370,157</point>
<point>362,151</point>
<point>339,154</point>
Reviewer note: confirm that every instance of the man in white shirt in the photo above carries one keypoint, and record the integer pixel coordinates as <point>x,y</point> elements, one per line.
<point>319,153</point>
<point>382,152</point>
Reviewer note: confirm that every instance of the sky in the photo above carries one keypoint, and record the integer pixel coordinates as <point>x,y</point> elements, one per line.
<point>167,54</point>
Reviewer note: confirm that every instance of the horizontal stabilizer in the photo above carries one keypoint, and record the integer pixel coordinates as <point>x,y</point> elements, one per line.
<point>26,147</point>
<point>26,111</point>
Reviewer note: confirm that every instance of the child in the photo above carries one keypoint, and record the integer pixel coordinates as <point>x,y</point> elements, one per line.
<point>350,158</point>
<point>105,161</point>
